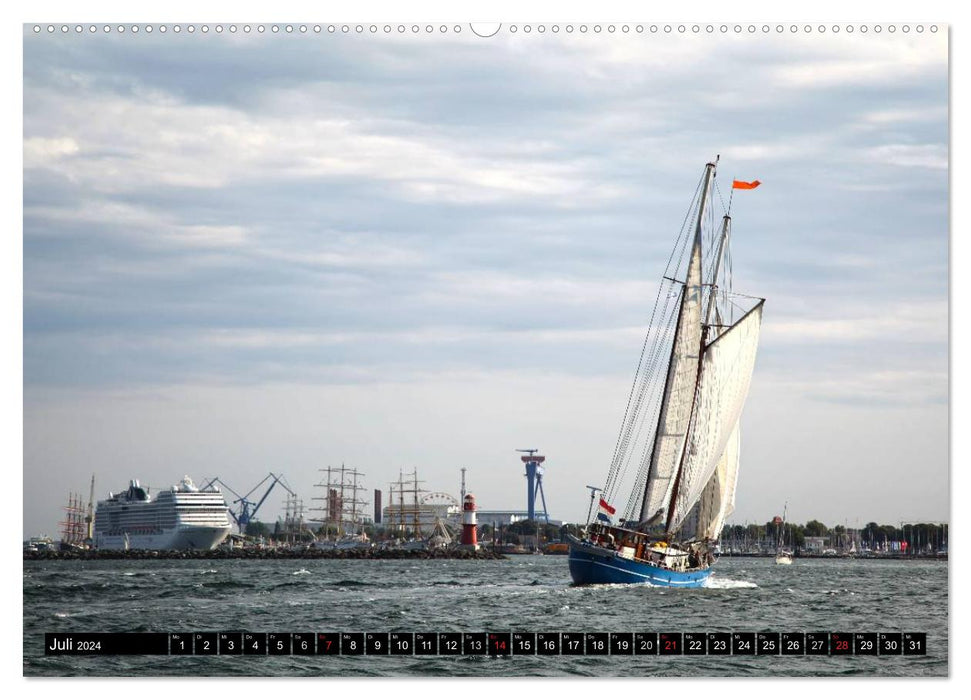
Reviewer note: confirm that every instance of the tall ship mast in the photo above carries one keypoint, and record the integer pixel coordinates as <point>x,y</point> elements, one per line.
<point>343,509</point>
<point>73,527</point>
<point>405,514</point>
<point>677,454</point>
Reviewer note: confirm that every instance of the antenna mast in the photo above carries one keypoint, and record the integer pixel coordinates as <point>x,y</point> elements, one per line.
<point>89,518</point>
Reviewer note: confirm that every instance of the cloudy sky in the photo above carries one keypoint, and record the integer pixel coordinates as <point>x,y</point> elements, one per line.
<point>267,252</point>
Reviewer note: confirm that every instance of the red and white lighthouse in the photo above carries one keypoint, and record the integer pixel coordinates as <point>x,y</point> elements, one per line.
<point>468,522</point>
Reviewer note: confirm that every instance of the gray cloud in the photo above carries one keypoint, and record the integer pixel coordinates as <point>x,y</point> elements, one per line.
<point>319,213</point>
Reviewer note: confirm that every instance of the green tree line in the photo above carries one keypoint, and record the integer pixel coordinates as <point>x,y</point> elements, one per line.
<point>872,535</point>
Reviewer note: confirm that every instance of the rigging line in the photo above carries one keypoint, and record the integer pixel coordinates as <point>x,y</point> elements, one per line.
<point>623,457</point>
<point>729,273</point>
<point>649,419</point>
<point>633,407</point>
<point>647,379</point>
<point>648,383</point>
<point>721,197</point>
<point>634,429</point>
<point>661,351</point>
<point>630,398</point>
<point>747,296</point>
<point>649,416</point>
<point>646,417</point>
<point>710,258</point>
<point>644,346</point>
<point>639,419</point>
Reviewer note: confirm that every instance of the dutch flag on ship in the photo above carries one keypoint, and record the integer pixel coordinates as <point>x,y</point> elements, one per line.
<point>606,512</point>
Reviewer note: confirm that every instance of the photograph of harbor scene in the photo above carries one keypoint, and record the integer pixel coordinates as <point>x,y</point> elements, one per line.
<point>570,335</point>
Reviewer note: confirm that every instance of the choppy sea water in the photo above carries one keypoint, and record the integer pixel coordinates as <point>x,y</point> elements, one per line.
<point>520,594</point>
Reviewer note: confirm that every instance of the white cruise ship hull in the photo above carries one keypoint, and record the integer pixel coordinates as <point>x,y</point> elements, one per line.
<point>182,517</point>
<point>183,538</point>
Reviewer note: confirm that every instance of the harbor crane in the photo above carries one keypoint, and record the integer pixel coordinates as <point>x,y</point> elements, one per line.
<point>534,482</point>
<point>246,509</point>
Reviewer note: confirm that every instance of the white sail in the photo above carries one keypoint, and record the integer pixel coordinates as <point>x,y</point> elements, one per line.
<point>725,376</point>
<point>675,414</point>
<point>718,499</point>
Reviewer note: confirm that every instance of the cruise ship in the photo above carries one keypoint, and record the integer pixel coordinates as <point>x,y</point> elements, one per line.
<point>181,517</point>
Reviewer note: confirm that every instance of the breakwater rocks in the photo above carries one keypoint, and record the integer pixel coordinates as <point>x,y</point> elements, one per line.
<point>247,553</point>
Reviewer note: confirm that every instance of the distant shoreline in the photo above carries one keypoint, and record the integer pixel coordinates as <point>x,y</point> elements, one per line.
<point>378,554</point>
<point>215,554</point>
<point>867,557</point>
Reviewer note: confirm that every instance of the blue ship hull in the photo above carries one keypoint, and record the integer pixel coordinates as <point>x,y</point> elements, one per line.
<point>591,564</point>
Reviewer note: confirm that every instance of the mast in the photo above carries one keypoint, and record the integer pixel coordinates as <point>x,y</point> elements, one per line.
<point>341,503</point>
<point>416,514</point>
<point>340,520</point>
<point>89,517</point>
<point>354,502</point>
<point>709,175</point>
<point>401,503</point>
<point>661,417</point>
<point>684,452</point>
<point>718,261</point>
<point>675,382</point>
<point>329,501</point>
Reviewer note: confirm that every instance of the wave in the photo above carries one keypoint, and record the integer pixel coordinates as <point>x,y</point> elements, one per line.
<point>98,587</point>
<point>61,615</point>
<point>299,583</point>
<point>725,583</point>
<point>224,584</point>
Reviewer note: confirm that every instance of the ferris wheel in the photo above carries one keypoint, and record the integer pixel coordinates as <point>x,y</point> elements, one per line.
<point>439,498</point>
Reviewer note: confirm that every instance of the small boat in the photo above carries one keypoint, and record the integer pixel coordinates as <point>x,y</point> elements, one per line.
<point>681,484</point>
<point>782,555</point>
<point>343,542</point>
<point>509,548</point>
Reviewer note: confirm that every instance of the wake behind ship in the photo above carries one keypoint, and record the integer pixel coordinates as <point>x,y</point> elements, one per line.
<point>181,517</point>
<point>681,486</point>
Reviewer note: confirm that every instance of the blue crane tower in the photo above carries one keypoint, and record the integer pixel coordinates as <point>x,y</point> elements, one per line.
<point>247,509</point>
<point>534,482</point>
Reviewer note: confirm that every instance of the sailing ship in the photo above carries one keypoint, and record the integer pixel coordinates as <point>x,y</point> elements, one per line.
<point>342,526</point>
<point>782,555</point>
<point>688,412</point>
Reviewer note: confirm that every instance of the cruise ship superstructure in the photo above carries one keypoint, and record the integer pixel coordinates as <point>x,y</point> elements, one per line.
<point>181,517</point>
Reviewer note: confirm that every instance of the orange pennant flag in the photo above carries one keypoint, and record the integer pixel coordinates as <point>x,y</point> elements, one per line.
<point>739,185</point>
